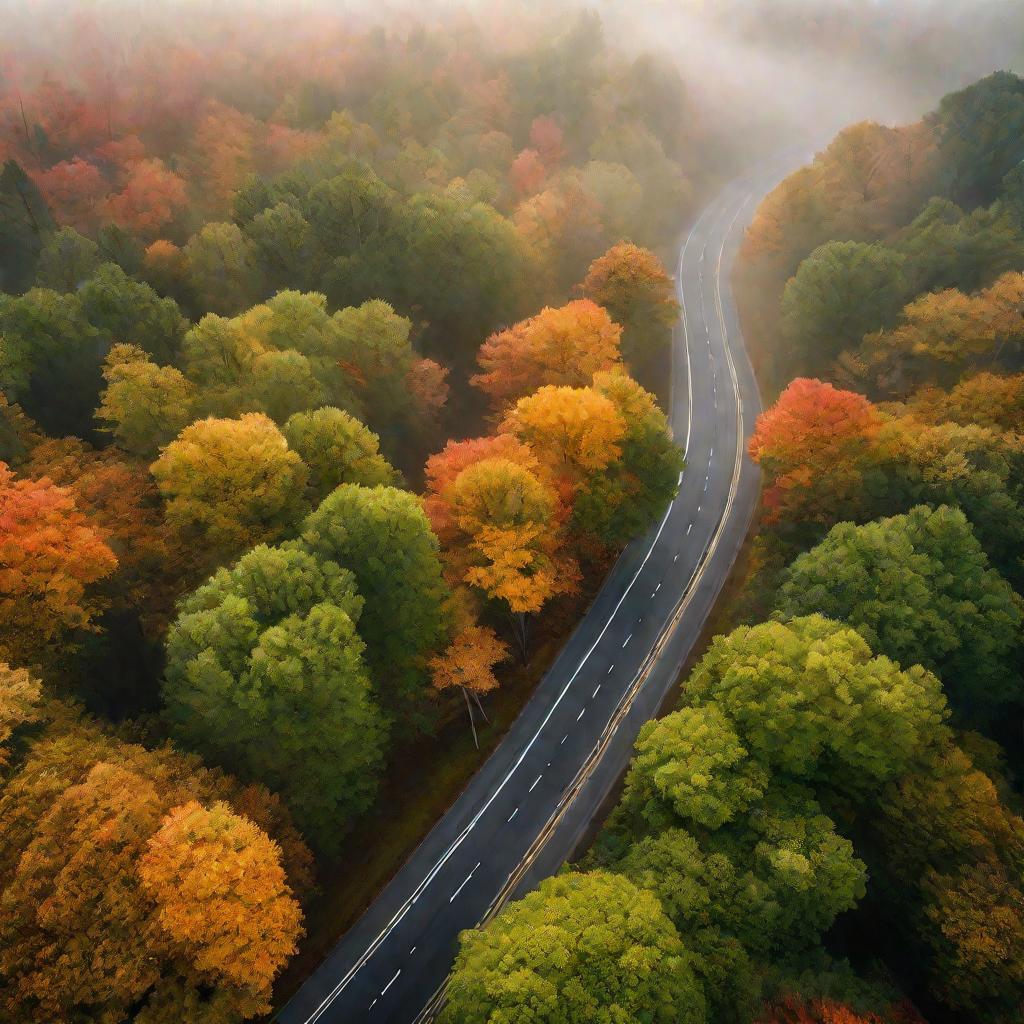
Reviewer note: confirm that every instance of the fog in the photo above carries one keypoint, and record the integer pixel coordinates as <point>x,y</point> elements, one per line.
<point>757,73</point>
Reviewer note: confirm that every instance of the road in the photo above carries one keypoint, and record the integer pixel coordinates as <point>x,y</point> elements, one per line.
<point>527,807</point>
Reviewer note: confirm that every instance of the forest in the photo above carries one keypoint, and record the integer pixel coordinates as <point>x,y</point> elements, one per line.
<point>334,360</point>
<point>329,363</point>
<point>825,828</point>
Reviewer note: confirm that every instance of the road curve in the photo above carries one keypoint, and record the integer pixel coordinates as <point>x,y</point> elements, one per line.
<point>526,808</point>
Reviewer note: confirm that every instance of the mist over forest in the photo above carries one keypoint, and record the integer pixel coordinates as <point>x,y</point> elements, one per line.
<point>395,397</point>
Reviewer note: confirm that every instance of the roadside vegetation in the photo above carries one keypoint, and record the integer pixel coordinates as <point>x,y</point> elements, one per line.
<point>322,415</point>
<point>826,827</point>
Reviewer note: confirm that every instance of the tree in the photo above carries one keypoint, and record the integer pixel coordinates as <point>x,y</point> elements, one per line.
<point>775,683</point>
<point>574,431</point>
<point>123,309</point>
<point>984,399</point>
<point>841,292</point>
<point>814,445</point>
<point>582,947</point>
<point>222,268</point>
<point>564,346</point>
<point>382,536</point>
<point>249,927</point>
<point>502,539</point>
<point>80,875</point>
<point>949,853</point>
<point>66,261</point>
<point>691,766</point>
<point>338,449</point>
<point>979,131</point>
<point>151,197</point>
<point>145,405</point>
<point>919,589</point>
<point>444,467</point>
<point>230,484</point>
<point>25,222</point>
<point>265,674</point>
<point>619,502</point>
<point>19,699</point>
<point>468,663</point>
<point>283,246</point>
<point>943,333</point>
<point>631,284</point>
<point>50,558</point>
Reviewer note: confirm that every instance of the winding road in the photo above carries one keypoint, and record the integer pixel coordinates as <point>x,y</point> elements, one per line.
<point>528,806</point>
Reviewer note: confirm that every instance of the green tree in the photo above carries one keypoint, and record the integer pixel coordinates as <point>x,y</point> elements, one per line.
<point>265,675</point>
<point>123,309</point>
<point>841,291</point>
<point>25,222</point>
<point>337,449</point>
<point>222,268</point>
<point>777,685</point>
<point>144,405</point>
<point>691,766</point>
<point>619,502</point>
<point>230,484</point>
<point>582,948</point>
<point>382,535</point>
<point>67,259</point>
<point>918,588</point>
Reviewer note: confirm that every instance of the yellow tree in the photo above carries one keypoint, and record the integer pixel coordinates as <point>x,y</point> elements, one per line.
<point>230,484</point>
<point>574,431</point>
<point>19,698</point>
<point>221,894</point>
<point>505,538</point>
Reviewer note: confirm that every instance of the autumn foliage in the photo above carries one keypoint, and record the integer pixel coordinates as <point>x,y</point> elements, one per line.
<point>50,560</point>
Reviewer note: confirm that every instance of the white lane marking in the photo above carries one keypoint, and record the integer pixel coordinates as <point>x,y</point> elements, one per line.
<point>699,507</point>
<point>535,781</point>
<point>580,715</point>
<point>628,638</point>
<point>563,739</point>
<point>675,558</point>
<point>413,950</point>
<point>711,454</point>
<point>651,598</point>
<point>688,529</point>
<point>376,942</point>
<point>596,688</point>
<point>391,982</point>
<point>609,672</point>
<point>705,485</point>
<point>513,814</point>
<point>373,1004</point>
<point>450,898</point>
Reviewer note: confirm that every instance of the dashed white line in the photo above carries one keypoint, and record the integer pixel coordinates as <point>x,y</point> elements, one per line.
<point>658,587</point>
<point>594,694</point>
<point>688,529</point>
<point>628,638</point>
<point>450,899</point>
<point>675,558</point>
<point>397,973</point>
<point>373,1004</point>
<point>413,950</point>
<point>580,715</point>
<point>535,781</point>
<point>563,739</point>
<point>513,814</point>
<point>609,672</point>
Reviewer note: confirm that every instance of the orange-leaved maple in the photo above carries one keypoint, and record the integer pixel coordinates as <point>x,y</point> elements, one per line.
<point>565,346</point>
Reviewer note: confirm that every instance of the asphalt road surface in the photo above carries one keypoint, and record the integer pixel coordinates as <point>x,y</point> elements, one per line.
<point>527,807</point>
